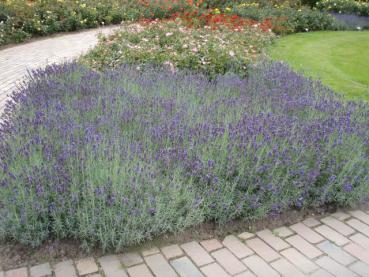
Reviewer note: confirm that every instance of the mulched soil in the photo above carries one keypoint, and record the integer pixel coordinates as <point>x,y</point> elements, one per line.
<point>14,255</point>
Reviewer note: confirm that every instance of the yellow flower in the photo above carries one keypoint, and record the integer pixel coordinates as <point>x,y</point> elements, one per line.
<point>216,11</point>
<point>228,9</point>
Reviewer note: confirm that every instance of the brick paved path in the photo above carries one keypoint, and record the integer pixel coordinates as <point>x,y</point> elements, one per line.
<point>336,245</point>
<point>15,61</point>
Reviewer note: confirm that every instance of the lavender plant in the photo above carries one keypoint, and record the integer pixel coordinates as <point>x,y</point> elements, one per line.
<point>120,156</point>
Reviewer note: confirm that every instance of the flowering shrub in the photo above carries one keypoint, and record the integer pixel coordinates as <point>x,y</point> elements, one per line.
<point>166,8</point>
<point>285,19</point>
<point>23,19</point>
<point>116,157</point>
<point>170,42</point>
<point>345,6</point>
<point>353,21</point>
<point>216,20</point>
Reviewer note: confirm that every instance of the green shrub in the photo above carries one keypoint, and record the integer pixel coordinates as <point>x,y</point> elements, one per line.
<point>171,43</point>
<point>117,157</point>
<point>287,19</point>
<point>344,6</point>
<point>22,19</point>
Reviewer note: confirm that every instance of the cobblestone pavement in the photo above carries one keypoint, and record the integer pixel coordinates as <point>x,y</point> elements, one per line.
<point>336,245</point>
<point>15,61</point>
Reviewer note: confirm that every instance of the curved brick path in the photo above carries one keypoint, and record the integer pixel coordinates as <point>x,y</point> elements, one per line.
<point>337,245</point>
<point>15,61</point>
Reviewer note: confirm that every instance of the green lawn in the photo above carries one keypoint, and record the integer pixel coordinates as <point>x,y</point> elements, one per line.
<point>339,59</point>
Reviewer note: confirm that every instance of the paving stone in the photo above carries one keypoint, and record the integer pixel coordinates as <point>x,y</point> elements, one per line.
<point>321,273</point>
<point>239,249</point>
<point>311,222</point>
<point>358,252</point>
<point>172,251</point>
<point>130,259</point>
<point>198,255</point>
<point>140,270</point>
<point>307,233</point>
<point>19,272</point>
<point>341,215</point>
<point>361,216</point>
<point>360,268</point>
<point>112,267</point>
<point>42,52</point>
<point>359,226</point>
<point>285,268</point>
<point>2,274</point>
<point>40,270</point>
<point>246,235</point>
<point>259,266</point>
<point>299,260</point>
<point>304,247</point>
<point>337,225</point>
<point>361,240</point>
<point>336,253</point>
<point>212,270</point>
<point>334,268</point>
<point>211,244</point>
<point>245,274</point>
<point>262,249</point>
<point>86,266</point>
<point>94,275</point>
<point>228,261</point>
<point>332,235</point>
<point>64,269</point>
<point>150,251</point>
<point>185,267</point>
<point>159,265</point>
<point>271,239</point>
<point>283,232</point>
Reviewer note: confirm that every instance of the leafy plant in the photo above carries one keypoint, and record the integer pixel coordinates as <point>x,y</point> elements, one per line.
<point>120,156</point>
<point>344,6</point>
<point>206,49</point>
<point>288,20</point>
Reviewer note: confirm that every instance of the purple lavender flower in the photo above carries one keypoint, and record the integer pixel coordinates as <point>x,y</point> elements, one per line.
<point>347,187</point>
<point>95,155</point>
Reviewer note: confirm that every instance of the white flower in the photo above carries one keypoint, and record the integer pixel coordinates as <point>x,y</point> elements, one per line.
<point>358,27</point>
<point>168,34</point>
<point>170,66</point>
<point>231,53</point>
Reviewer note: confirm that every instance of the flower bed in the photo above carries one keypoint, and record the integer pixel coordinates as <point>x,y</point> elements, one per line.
<point>117,157</point>
<point>21,20</point>
<point>206,49</point>
<point>285,19</point>
<point>360,8</point>
<point>353,21</point>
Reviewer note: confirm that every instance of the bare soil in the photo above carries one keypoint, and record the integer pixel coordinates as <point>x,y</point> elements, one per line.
<point>14,255</point>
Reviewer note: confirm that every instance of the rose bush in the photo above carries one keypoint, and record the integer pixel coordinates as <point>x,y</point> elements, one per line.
<point>205,49</point>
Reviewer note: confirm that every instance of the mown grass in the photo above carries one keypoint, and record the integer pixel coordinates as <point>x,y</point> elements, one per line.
<point>339,59</point>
